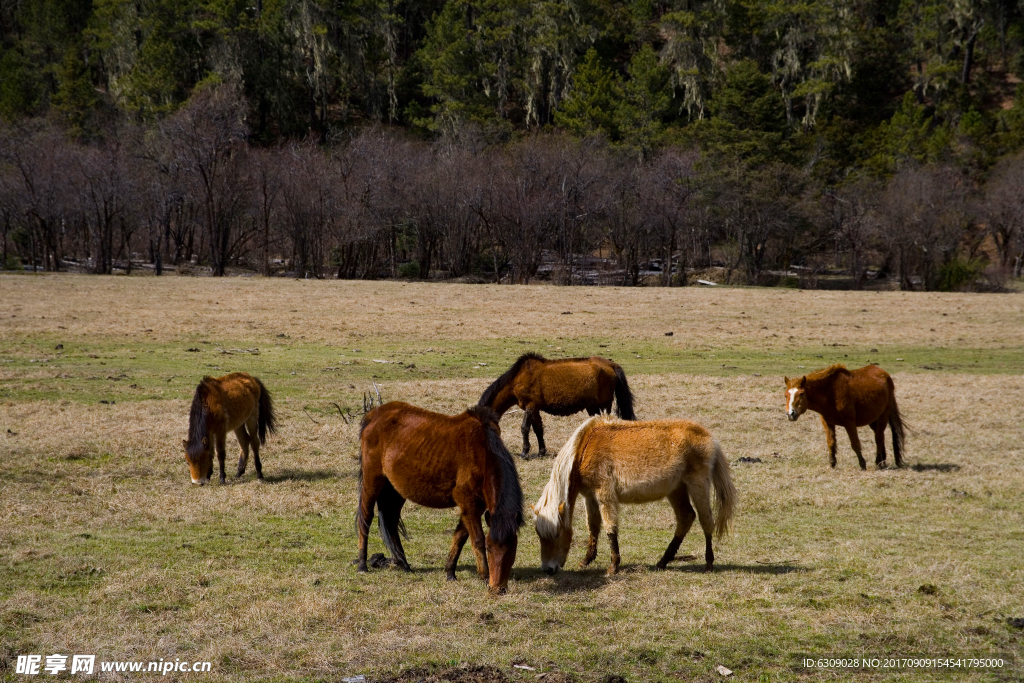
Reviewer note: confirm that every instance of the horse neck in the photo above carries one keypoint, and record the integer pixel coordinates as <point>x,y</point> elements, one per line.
<point>504,399</point>
<point>819,391</point>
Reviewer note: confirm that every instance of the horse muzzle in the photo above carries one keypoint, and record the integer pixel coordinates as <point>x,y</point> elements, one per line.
<point>550,569</point>
<point>792,416</point>
<point>200,482</point>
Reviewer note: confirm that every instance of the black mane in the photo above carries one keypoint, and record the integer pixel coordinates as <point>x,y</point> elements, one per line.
<point>487,399</point>
<point>507,517</point>
<point>198,420</point>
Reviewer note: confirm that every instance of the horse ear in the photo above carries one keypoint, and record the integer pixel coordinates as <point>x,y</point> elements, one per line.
<point>803,381</point>
<point>785,379</point>
<point>205,442</point>
<point>536,510</point>
<point>561,509</point>
<point>184,444</point>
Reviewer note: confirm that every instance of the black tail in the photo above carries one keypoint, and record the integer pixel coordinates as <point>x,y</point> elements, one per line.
<point>389,519</point>
<point>267,421</point>
<point>898,433</point>
<point>623,396</point>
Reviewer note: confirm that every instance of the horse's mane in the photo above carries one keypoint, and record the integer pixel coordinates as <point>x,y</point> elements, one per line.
<point>198,420</point>
<point>825,373</point>
<point>507,517</point>
<point>491,392</point>
<point>556,491</point>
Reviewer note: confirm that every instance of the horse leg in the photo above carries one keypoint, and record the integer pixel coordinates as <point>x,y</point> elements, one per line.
<point>594,523</point>
<point>609,506</point>
<point>458,540</point>
<point>253,425</point>
<point>830,439</point>
<point>476,535</point>
<point>538,429</point>
<point>243,445</point>
<point>221,454</point>
<point>701,494</point>
<point>851,430</point>
<point>368,494</point>
<point>526,433</point>
<point>680,501</point>
<point>879,428</point>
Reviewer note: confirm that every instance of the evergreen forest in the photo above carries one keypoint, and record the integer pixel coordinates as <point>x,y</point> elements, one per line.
<point>837,143</point>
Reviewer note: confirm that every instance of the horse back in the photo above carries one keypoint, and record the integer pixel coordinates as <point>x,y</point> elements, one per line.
<point>425,455</point>
<point>232,399</point>
<point>645,461</point>
<point>567,386</point>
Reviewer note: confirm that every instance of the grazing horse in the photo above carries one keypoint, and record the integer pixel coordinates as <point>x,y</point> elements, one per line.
<point>851,398</point>
<point>611,462</point>
<point>559,387</point>
<point>237,402</point>
<point>441,461</point>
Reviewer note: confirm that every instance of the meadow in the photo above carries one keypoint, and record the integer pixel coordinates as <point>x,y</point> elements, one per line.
<point>107,549</point>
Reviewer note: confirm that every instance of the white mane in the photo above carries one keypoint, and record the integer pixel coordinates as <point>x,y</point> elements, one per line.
<point>556,492</point>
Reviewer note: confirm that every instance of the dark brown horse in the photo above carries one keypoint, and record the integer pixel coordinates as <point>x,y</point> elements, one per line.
<point>851,398</point>
<point>559,387</point>
<point>237,402</point>
<point>439,461</point>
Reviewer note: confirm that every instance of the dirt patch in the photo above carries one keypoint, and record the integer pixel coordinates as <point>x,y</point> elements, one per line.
<point>468,673</point>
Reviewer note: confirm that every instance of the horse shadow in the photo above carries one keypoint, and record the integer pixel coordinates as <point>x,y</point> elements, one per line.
<point>935,467</point>
<point>573,581</point>
<point>305,475</point>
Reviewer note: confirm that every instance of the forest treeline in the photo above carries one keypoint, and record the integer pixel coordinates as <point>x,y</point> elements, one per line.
<point>510,140</point>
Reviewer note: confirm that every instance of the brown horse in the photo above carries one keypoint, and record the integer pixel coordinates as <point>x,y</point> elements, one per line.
<point>865,396</point>
<point>237,402</point>
<point>611,462</point>
<point>559,387</point>
<point>440,462</point>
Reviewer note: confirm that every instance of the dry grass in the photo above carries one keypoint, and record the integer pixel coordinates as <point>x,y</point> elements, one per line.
<point>106,549</point>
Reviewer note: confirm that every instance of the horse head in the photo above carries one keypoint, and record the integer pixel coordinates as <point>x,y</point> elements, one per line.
<point>554,528</point>
<point>199,456</point>
<point>796,397</point>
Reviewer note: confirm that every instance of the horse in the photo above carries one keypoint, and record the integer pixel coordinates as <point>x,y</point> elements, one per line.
<point>611,461</point>
<point>559,387</point>
<point>237,402</point>
<point>440,461</point>
<point>851,398</point>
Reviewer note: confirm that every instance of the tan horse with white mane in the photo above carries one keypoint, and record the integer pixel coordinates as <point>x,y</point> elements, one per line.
<point>851,398</point>
<point>611,461</point>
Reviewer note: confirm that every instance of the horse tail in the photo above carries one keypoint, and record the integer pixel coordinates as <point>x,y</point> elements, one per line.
<point>389,519</point>
<point>199,420</point>
<point>267,421</point>
<point>623,395</point>
<point>725,493</point>
<point>898,431</point>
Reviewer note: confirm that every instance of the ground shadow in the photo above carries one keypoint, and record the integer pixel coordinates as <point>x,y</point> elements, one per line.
<point>300,475</point>
<point>781,568</point>
<point>936,467</point>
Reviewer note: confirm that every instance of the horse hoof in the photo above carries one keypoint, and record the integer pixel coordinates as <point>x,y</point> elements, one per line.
<point>709,568</point>
<point>452,577</point>
<point>239,473</point>
<point>661,565</point>
<point>612,571</point>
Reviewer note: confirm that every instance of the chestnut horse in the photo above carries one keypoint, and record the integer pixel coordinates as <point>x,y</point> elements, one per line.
<point>851,398</point>
<point>237,402</point>
<point>441,461</point>
<point>559,387</point>
<point>611,462</point>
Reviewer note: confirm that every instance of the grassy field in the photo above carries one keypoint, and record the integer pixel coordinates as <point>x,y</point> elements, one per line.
<point>106,549</point>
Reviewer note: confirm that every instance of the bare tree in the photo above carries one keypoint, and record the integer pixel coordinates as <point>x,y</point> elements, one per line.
<point>208,135</point>
<point>1003,210</point>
